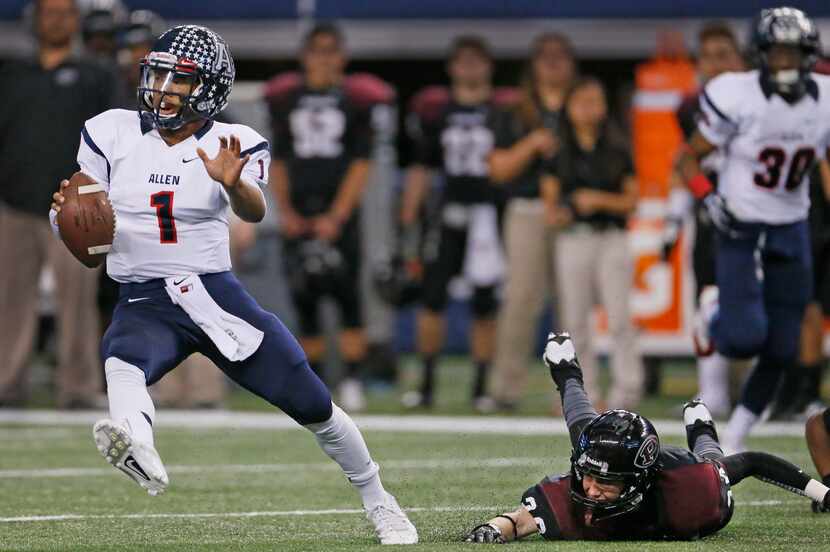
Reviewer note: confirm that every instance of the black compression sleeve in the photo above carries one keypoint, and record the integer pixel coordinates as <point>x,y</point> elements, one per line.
<point>765,467</point>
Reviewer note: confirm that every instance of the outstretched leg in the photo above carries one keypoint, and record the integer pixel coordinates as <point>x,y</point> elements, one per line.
<point>701,434</point>
<point>560,358</point>
<point>279,373</point>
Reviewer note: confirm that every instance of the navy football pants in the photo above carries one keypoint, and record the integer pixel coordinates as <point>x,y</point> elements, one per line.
<point>764,282</point>
<point>155,335</point>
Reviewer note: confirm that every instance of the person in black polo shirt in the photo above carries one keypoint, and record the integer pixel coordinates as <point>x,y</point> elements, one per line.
<point>593,176</point>
<point>43,105</point>
<point>525,138</point>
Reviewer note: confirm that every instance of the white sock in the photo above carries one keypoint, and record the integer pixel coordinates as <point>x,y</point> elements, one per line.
<point>130,404</point>
<point>713,381</point>
<point>341,440</point>
<point>740,424</point>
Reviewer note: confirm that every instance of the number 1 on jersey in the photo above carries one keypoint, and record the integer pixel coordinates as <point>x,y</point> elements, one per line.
<point>163,202</point>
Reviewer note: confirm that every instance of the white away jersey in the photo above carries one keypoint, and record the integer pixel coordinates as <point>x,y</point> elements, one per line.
<point>769,145</point>
<point>171,216</point>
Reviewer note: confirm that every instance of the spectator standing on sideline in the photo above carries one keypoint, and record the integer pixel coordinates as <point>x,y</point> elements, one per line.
<point>43,105</point>
<point>593,177</point>
<point>525,139</point>
<point>321,123</point>
<point>452,132</point>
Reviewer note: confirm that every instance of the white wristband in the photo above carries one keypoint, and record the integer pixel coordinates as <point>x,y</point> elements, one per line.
<point>816,490</point>
<point>53,222</point>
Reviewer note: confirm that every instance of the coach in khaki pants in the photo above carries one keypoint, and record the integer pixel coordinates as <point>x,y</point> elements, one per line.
<point>26,245</point>
<point>44,102</point>
<point>594,181</point>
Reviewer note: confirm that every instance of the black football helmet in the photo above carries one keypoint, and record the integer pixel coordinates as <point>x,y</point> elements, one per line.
<point>317,267</point>
<point>190,55</point>
<point>396,280</point>
<point>618,446</point>
<point>788,27</point>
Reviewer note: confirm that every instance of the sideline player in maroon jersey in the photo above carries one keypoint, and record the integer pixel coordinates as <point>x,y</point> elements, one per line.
<point>452,131</point>
<point>624,484</point>
<point>321,121</point>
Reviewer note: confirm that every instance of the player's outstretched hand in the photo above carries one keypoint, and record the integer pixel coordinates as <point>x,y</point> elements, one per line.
<point>485,534</point>
<point>226,167</point>
<point>560,358</point>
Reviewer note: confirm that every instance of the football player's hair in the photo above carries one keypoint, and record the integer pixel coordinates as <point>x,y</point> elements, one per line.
<point>473,43</point>
<point>326,28</point>
<point>717,30</point>
<point>528,109</point>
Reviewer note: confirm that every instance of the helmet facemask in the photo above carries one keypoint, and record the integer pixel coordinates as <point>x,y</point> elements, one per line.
<point>786,27</point>
<point>634,486</point>
<point>165,80</point>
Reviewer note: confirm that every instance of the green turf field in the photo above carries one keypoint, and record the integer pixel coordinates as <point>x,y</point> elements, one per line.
<point>242,490</point>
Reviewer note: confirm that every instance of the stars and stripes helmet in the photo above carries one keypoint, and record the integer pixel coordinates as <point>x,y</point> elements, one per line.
<point>617,446</point>
<point>787,27</point>
<point>185,55</point>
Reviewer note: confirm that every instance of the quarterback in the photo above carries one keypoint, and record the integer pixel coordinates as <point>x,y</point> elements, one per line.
<point>623,484</point>
<point>172,175</point>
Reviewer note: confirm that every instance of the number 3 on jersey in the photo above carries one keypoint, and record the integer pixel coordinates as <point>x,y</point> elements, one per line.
<point>775,158</point>
<point>163,202</point>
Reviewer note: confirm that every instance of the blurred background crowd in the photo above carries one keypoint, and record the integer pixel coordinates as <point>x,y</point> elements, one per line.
<point>444,189</point>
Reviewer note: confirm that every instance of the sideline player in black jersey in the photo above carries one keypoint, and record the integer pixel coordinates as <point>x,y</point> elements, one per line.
<point>322,145</point>
<point>623,484</point>
<point>718,52</point>
<point>452,133</point>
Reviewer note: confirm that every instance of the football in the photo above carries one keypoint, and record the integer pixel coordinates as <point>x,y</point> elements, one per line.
<point>86,220</point>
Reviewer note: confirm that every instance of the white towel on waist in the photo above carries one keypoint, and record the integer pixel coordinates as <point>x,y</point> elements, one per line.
<point>235,338</point>
<point>484,261</point>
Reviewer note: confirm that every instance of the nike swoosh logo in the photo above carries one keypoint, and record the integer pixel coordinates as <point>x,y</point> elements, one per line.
<point>133,465</point>
<point>137,300</point>
<point>175,283</point>
<point>189,160</point>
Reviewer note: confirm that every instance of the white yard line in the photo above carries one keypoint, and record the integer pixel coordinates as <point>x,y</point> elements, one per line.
<point>294,513</point>
<point>200,419</point>
<point>427,464</point>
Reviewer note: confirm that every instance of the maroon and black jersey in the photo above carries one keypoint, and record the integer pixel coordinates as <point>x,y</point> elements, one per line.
<point>457,140</point>
<point>318,133</point>
<point>689,499</point>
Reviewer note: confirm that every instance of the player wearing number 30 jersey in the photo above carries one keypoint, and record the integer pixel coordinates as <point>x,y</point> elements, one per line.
<point>772,125</point>
<point>173,174</point>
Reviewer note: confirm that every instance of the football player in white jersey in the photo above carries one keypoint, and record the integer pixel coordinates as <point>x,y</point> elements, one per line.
<point>172,175</point>
<point>771,124</point>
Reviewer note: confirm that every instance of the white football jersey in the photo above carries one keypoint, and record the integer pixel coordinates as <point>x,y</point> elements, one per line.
<point>769,145</point>
<point>171,216</point>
